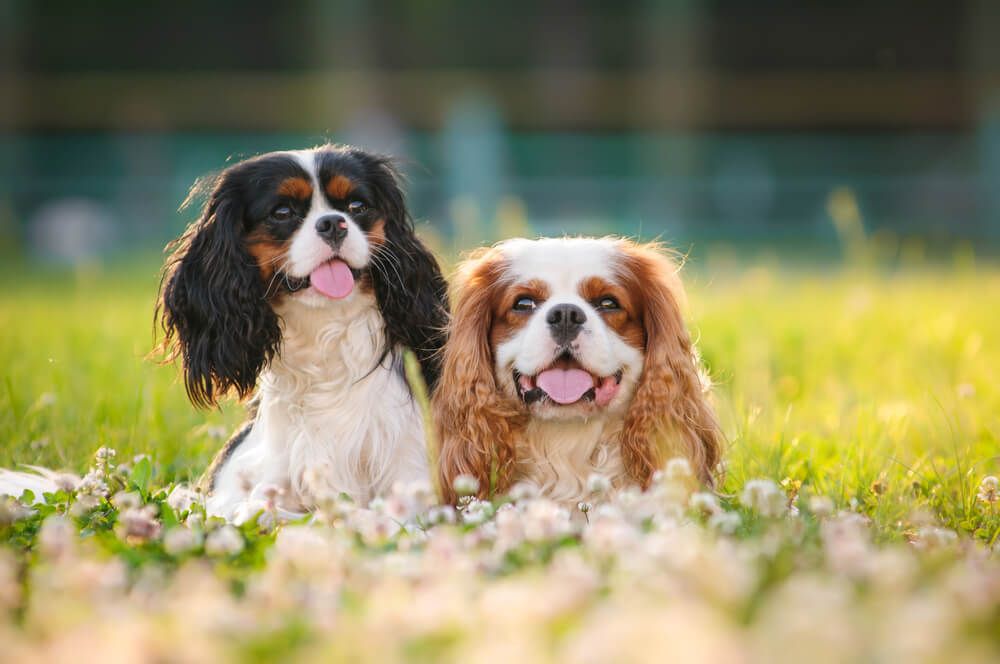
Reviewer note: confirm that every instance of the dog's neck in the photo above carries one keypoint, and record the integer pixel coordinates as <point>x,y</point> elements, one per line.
<point>557,456</point>
<point>338,343</point>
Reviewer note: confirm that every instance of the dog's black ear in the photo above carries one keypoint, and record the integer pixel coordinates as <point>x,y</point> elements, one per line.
<point>412,293</point>
<point>213,308</point>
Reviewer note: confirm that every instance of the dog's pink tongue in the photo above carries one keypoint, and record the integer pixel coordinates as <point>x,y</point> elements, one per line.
<point>333,279</point>
<point>565,385</point>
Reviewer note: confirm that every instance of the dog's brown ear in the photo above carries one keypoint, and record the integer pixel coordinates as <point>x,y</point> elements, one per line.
<point>670,411</point>
<point>476,424</point>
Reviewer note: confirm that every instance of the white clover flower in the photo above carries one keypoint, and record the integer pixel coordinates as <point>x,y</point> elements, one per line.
<point>305,547</point>
<point>704,502</point>
<point>545,520</point>
<point>396,508</point>
<point>476,512</point>
<point>93,484</point>
<point>441,514</point>
<point>598,484</point>
<point>610,535</point>
<point>373,527</point>
<point>509,527</point>
<point>139,522</point>
<point>181,499</point>
<point>847,544</point>
<point>523,491</point>
<point>195,521</point>
<point>989,490</point>
<point>12,510</point>
<point>178,541</point>
<point>407,500</point>
<point>821,506</point>
<point>224,541</point>
<point>66,482</point>
<point>465,485</point>
<point>83,505</point>
<point>56,537</point>
<point>764,497</point>
<point>725,522</point>
<point>103,460</point>
<point>678,469</point>
<point>584,506</point>
<point>267,521</point>
<point>930,538</point>
<point>126,500</point>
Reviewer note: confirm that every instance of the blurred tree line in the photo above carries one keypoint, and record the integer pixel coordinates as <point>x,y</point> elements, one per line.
<point>721,120</point>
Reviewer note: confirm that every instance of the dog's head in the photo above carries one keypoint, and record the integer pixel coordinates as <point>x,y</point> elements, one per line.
<point>563,329</point>
<point>315,228</point>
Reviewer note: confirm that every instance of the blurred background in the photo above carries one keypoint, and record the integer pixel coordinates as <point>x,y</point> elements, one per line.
<point>811,127</point>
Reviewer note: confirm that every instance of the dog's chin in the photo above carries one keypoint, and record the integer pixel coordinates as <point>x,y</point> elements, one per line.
<point>553,412</point>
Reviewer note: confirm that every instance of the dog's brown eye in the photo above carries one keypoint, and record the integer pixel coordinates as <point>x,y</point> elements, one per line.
<point>524,304</point>
<point>356,207</point>
<point>282,213</point>
<point>608,304</point>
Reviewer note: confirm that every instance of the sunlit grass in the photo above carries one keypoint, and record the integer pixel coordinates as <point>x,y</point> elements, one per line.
<point>860,405</point>
<point>876,386</point>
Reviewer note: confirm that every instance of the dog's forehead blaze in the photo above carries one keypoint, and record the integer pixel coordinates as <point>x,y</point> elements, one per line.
<point>339,187</point>
<point>296,187</point>
<point>506,321</point>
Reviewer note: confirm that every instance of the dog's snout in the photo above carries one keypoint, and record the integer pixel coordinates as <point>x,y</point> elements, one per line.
<point>332,227</point>
<point>565,322</point>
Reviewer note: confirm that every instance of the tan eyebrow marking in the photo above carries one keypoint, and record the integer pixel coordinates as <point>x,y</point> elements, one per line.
<point>296,187</point>
<point>339,187</point>
<point>507,321</point>
<point>625,321</point>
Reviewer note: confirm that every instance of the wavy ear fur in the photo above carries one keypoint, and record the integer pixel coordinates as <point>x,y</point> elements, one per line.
<point>670,407</point>
<point>411,291</point>
<point>476,424</point>
<point>213,308</point>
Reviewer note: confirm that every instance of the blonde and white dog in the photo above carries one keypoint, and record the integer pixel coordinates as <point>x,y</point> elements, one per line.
<point>568,357</point>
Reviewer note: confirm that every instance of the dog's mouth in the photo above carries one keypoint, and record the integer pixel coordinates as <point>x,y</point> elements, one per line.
<point>567,382</point>
<point>334,279</point>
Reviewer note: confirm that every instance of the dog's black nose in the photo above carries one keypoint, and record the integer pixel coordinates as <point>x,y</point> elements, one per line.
<point>565,322</point>
<point>332,228</point>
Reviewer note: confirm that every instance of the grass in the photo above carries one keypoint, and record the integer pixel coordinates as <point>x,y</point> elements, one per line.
<point>76,374</point>
<point>877,386</point>
<point>853,524</point>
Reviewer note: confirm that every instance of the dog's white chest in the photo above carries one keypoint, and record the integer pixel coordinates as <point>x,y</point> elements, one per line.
<point>331,419</point>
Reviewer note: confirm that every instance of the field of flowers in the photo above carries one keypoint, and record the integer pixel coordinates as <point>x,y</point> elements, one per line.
<point>858,518</point>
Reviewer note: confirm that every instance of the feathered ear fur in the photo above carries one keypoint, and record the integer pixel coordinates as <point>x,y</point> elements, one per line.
<point>671,405</point>
<point>409,287</point>
<point>213,308</point>
<point>476,424</point>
